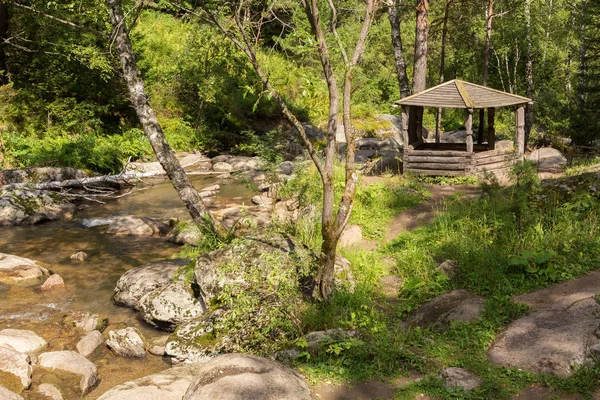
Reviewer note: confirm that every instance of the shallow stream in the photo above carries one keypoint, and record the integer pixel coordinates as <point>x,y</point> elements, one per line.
<point>89,285</point>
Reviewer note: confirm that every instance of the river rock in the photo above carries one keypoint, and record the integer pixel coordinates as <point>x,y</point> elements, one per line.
<point>74,363</point>
<point>89,342</point>
<point>263,201</point>
<point>15,269</point>
<point>17,364</point>
<point>188,234</point>
<point>170,384</point>
<point>23,341</point>
<point>50,391</point>
<point>80,256</point>
<point>127,342</point>
<point>244,163</point>
<point>55,281</point>
<point>222,167</point>
<point>170,305</point>
<point>137,282</point>
<point>40,175</point>
<point>221,158</point>
<point>85,321</point>
<point>455,306</point>
<point>460,377</point>
<point>6,394</point>
<point>137,226</point>
<point>548,159</point>
<point>351,236</point>
<point>241,376</point>
<point>28,207</point>
<point>156,346</point>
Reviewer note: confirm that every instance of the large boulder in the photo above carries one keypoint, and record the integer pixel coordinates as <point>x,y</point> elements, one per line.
<point>28,207</point>
<point>170,384</point>
<point>169,306</point>
<point>455,306</point>
<point>15,269</point>
<point>21,340</point>
<point>189,162</point>
<point>6,394</point>
<point>548,159</point>
<point>242,163</point>
<point>246,377</point>
<point>127,342</point>
<point>39,175</point>
<point>74,363</point>
<point>131,225</point>
<point>137,282</point>
<point>394,130</point>
<point>16,364</point>
<point>186,233</point>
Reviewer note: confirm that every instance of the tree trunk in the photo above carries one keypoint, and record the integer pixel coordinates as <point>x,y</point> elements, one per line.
<point>582,59</point>
<point>421,42</point>
<point>486,64</point>
<point>438,118</point>
<point>3,37</point>
<point>398,52</point>
<point>528,73</point>
<point>145,113</point>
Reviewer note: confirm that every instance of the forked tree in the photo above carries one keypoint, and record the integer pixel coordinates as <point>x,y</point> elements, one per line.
<point>231,19</point>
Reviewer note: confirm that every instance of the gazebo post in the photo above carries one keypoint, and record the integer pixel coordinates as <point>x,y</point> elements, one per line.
<point>491,114</point>
<point>469,126</point>
<point>520,129</point>
<point>405,112</point>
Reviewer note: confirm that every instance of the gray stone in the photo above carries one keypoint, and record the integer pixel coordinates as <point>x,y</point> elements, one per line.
<point>131,225</point>
<point>222,167</point>
<point>74,363</point>
<point>189,234</point>
<point>170,305</point>
<point>244,163</point>
<point>23,341</point>
<point>137,282</point>
<point>80,256</point>
<point>318,340</point>
<point>286,168</point>
<point>455,306</point>
<point>14,269</point>
<point>263,201</point>
<point>53,282</point>
<point>85,321</point>
<point>384,165</point>
<point>459,377</point>
<point>156,346</point>
<point>548,159</point>
<point>89,342</point>
<point>6,394</point>
<point>40,175</point>
<point>552,341</point>
<point>449,268</point>
<point>504,144</point>
<point>395,129</point>
<point>351,236</point>
<point>29,207</point>
<point>17,364</point>
<point>127,342</point>
<point>246,377</point>
<point>50,391</point>
<point>170,384</point>
<point>221,158</point>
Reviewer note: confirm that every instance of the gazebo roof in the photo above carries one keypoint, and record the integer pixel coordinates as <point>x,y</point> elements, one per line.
<point>461,94</point>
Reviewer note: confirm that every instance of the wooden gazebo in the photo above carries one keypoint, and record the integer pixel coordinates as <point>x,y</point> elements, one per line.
<point>421,158</point>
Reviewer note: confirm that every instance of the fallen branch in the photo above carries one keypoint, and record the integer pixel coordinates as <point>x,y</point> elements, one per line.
<point>81,182</point>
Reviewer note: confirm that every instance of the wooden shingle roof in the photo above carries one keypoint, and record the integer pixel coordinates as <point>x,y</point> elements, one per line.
<point>461,94</point>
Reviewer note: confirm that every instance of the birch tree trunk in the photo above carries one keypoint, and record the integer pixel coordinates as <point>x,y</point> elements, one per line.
<point>145,113</point>
<point>421,42</point>
<point>394,19</point>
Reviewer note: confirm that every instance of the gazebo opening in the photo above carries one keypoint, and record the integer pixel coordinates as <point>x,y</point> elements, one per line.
<point>473,157</point>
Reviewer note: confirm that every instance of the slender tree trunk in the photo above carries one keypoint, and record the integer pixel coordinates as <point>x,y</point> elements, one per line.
<point>145,113</point>
<point>421,42</point>
<point>3,37</point>
<point>528,73</point>
<point>394,18</point>
<point>438,118</point>
<point>486,64</point>
<point>582,59</point>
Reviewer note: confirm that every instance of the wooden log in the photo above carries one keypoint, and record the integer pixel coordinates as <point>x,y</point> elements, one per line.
<point>438,153</point>
<point>405,127</point>
<point>494,159</point>
<point>433,172</point>
<point>520,130</point>
<point>439,166</point>
<point>469,127</point>
<point>491,117</point>
<point>493,153</point>
<point>449,160</point>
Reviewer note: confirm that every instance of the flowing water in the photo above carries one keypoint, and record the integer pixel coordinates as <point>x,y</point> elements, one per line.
<point>89,285</point>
